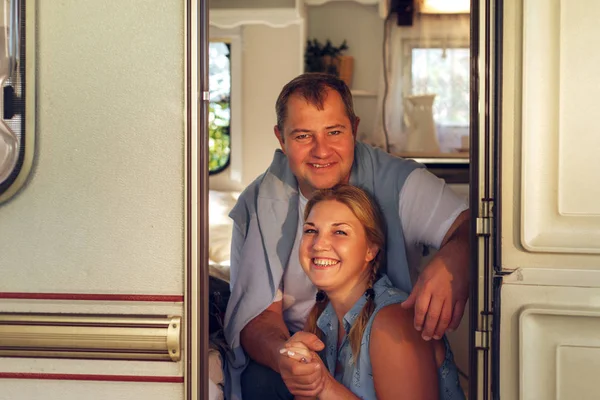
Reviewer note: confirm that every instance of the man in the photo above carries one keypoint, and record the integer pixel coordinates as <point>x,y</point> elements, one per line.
<point>271,296</point>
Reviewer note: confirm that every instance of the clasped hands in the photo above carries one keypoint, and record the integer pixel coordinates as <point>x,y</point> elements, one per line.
<point>438,299</point>
<point>300,366</point>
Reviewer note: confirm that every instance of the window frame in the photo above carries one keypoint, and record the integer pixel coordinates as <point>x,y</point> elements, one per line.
<point>452,170</point>
<point>430,43</point>
<point>18,102</point>
<point>229,44</point>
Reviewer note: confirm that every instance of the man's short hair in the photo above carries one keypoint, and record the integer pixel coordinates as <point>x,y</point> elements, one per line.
<point>312,87</point>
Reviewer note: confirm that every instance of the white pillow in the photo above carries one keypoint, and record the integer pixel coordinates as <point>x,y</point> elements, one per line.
<point>220,226</point>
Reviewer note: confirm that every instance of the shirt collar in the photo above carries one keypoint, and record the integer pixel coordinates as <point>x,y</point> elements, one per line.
<point>327,317</point>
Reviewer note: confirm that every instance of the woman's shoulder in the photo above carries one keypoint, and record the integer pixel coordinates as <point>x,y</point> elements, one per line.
<point>392,317</point>
<point>389,314</point>
<point>386,293</point>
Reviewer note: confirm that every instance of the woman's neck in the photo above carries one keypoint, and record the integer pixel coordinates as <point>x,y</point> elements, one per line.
<point>343,299</point>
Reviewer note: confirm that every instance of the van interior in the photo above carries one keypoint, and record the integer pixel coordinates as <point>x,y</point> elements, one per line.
<point>129,129</point>
<point>408,69</point>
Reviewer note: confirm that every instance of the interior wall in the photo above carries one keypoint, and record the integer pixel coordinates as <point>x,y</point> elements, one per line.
<point>270,57</point>
<point>362,28</point>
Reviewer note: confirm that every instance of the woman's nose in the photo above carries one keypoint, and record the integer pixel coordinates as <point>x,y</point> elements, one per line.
<point>321,243</point>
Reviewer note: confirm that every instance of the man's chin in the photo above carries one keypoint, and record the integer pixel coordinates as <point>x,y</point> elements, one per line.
<point>326,184</point>
<point>318,184</point>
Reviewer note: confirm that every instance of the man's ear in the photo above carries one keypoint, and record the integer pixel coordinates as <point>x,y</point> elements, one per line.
<point>279,136</point>
<point>355,127</point>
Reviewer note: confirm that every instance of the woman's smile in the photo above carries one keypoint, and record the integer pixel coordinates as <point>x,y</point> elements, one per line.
<point>324,263</point>
<point>334,249</point>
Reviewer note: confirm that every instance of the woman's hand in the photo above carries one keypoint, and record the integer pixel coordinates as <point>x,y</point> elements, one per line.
<point>300,366</point>
<point>298,350</point>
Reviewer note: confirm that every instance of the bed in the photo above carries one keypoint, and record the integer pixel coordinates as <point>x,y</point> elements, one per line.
<point>220,204</point>
<point>220,226</point>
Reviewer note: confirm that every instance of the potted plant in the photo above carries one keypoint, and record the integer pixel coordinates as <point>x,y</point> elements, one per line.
<point>328,58</point>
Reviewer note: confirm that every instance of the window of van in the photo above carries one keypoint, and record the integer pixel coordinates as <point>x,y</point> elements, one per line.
<point>442,67</point>
<point>445,72</point>
<point>219,112</point>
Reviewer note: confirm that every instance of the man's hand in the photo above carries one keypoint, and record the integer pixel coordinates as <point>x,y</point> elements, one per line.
<point>442,290</point>
<point>300,366</point>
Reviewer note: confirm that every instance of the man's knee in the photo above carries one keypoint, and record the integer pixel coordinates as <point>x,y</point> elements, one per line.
<point>260,382</point>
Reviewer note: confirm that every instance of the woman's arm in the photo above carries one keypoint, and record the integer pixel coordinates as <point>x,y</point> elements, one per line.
<point>403,363</point>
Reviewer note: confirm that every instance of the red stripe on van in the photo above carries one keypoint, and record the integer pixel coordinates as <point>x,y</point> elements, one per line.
<point>93,297</point>
<point>89,377</point>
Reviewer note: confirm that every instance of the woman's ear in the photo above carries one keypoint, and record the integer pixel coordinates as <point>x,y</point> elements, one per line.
<point>372,251</point>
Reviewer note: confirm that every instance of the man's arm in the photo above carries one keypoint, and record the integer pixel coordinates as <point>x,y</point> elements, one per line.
<point>266,335</point>
<point>432,214</point>
<point>262,337</point>
<point>440,295</point>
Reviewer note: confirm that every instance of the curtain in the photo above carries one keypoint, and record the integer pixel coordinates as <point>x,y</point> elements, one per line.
<point>429,57</point>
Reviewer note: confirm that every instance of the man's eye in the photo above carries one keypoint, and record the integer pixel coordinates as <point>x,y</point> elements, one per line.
<point>333,133</point>
<point>303,136</point>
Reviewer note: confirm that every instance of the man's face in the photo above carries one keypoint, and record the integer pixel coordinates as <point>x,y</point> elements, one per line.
<point>319,144</point>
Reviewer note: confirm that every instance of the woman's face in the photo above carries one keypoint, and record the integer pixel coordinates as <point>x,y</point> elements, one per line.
<point>334,251</point>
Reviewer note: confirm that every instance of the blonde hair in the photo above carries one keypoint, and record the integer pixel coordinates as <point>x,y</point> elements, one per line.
<point>367,212</point>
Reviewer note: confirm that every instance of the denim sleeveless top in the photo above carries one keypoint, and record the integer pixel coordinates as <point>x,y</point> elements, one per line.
<point>358,377</point>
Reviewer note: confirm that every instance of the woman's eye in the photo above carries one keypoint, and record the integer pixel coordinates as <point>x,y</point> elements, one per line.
<point>340,232</point>
<point>308,231</point>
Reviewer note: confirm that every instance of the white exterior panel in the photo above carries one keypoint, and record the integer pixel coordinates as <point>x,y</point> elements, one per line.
<point>103,209</point>
<point>550,304</point>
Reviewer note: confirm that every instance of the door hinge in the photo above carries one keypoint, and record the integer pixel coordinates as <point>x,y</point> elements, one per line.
<point>483,336</point>
<point>484,222</point>
<point>482,340</point>
<point>484,226</point>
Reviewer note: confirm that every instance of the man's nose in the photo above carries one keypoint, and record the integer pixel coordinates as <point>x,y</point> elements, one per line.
<point>321,148</point>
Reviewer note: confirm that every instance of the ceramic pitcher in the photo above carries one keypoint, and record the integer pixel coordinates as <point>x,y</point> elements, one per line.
<point>418,118</point>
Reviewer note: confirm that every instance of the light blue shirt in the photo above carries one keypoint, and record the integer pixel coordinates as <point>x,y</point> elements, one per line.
<point>358,376</point>
<point>265,226</point>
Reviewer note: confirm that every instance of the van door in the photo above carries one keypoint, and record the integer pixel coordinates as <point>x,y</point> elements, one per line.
<point>103,215</point>
<point>538,215</point>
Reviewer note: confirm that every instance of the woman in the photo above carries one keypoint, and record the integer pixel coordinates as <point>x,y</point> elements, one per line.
<point>372,350</point>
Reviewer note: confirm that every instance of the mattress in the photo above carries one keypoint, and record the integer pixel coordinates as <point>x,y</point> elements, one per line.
<point>220,226</point>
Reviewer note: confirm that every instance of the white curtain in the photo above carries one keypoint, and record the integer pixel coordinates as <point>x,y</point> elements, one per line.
<point>420,47</point>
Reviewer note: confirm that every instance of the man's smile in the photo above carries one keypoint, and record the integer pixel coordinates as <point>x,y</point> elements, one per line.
<point>321,165</point>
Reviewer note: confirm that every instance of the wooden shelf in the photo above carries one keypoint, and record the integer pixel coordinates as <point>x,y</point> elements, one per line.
<point>274,17</point>
<point>436,158</point>
<point>382,5</point>
<point>430,154</point>
<point>321,2</point>
<point>363,93</point>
